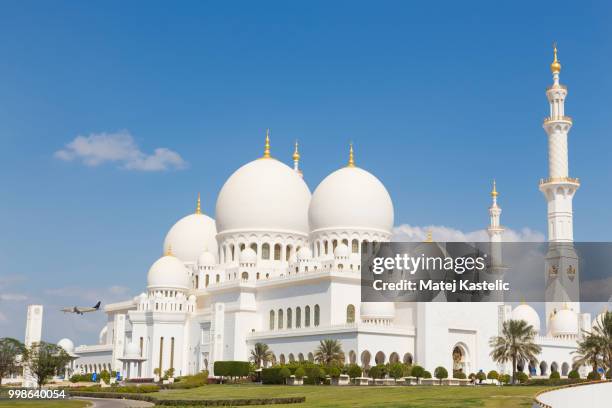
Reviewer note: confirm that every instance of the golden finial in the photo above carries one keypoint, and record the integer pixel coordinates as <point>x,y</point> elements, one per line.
<point>494,192</point>
<point>266,154</point>
<point>296,153</point>
<point>198,206</point>
<point>351,162</point>
<point>555,67</point>
<point>429,237</point>
<point>168,250</point>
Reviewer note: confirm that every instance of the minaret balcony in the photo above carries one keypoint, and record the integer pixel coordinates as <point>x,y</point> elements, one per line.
<point>560,180</point>
<point>567,119</point>
<point>556,86</point>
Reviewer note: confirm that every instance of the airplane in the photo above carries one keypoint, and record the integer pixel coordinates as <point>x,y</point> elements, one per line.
<point>81,310</point>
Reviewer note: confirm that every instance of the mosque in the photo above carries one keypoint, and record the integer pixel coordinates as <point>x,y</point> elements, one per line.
<point>281,266</point>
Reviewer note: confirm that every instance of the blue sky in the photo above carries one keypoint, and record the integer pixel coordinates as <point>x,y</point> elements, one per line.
<point>439,98</point>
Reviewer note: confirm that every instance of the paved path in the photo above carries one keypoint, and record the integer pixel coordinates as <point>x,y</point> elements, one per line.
<point>115,403</point>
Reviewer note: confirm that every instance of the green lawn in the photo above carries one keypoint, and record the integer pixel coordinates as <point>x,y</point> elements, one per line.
<point>43,404</point>
<point>401,396</point>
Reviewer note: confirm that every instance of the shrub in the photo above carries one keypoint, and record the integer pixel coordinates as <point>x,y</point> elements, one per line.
<point>105,376</point>
<point>493,375</point>
<point>80,378</point>
<point>481,376</point>
<point>284,373</point>
<point>521,377</point>
<point>190,381</point>
<point>314,374</point>
<point>271,375</point>
<point>396,370</point>
<point>169,373</point>
<point>472,377</point>
<point>593,375</point>
<point>426,374</point>
<point>333,372</point>
<point>505,378</point>
<point>440,373</point>
<point>232,368</point>
<point>353,371</point>
<point>555,375</point>
<point>574,375</point>
<point>407,370</point>
<point>378,371</point>
<point>459,374</point>
<point>417,371</point>
<point>299,372</point>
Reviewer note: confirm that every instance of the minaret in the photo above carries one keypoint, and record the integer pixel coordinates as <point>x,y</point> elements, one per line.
<point>296,160</point>
<point>559,189</point>
<point>495,229</point>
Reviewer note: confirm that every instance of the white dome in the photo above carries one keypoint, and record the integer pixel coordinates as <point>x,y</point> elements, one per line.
<point>564,322</point>
<point>304,254</point>
<point>341,251</point>
<point>263,195</point>
<point>67,345</point>
<point>190,236</point>
<point>168,272</point>
<point>206,259</point>
<point>131,350</point>
<point>351,198</point>
<point>528,314</point>
<point>248,256</point>
<point>384,310</point>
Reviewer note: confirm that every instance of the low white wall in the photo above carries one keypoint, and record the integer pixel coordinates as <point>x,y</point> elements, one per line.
<point>590,395</point>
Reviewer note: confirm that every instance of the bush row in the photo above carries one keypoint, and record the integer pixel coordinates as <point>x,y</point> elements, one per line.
<point>232,368</point>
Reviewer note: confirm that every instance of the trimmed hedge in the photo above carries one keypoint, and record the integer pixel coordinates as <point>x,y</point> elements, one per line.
<point>128,389</point>
<point>232,368</point>
<point>271,376</point>
<point>191,402</point>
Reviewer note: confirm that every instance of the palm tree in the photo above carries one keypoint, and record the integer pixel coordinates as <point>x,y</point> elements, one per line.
<point>261,354</point>
<point>603,331</point>
<point>516,344</point>
<point>329,351</point>
<point>589,351</point>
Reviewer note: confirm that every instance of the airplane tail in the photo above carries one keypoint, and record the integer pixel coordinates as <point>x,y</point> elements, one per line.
<point>97,306</point>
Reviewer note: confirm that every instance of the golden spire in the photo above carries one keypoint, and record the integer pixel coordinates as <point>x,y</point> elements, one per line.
<point>296,153</point>
<point>429,237</point>
<point>266,154</point>
<point>351,162</point>
<point>494,192</point>
<point>198,206</point>
<point>555,67</point>
<point>168,250</point>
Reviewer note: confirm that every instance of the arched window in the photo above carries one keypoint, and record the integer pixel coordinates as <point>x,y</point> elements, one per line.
<point>288,253</point>
<point>300,357</point>
<point>317,316</point>
<point>207,280</point>
<point>265,251</point>
<point>218,278</point>
<point>325,247</point>
<point>310,357</point>
<point>245,276</point>
<point>291,358</point>
<point>298,317</point>
<point>307,316</point>
<point>254,247</point>
<point>355,246</point>
<point>289,318</point>
<point>271,319</point>
<point>242,247</point>
<point>277,252</point>
<point>280,318</point>
<point>407,359</point>
<point>345,241</point>
<point>232,251</point>
<point>380,358</point>
<point>318,249</point>
<point>197,282</point>
<point>224,254</point>
<point>282,359</point>
<point>334,244</point>
<point>350,314</point>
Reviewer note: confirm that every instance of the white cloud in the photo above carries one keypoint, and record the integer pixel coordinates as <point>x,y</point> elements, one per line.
<point>13,297</point>
<point>440,233</point>
<point>121,148</point>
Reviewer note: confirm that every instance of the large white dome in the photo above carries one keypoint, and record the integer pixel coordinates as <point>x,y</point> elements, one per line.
<point>564,322</point>
<point>168,272</point>
<point>351,198</point>
<point>528,314</point>
<point>263,195</point>
<point>190,236</point>
<point>67,345</point>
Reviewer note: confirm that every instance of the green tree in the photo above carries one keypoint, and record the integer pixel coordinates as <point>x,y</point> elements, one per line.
<point>440,373</point>
<point>105,376</point>
<point>493,375</point>
<point>284,374</point>
<point>574,375</point>
<point>261,355</point>
<point>517,343</point>
<point>481,376</point>
<point>329,351</point>
<point>354,371</point>
<point>504,378</point>
<point>299,372</point>
<point>10,350</point>
<point>417,371</point>
<point>426,374</point>
<point>169,373</point>
<point>45,359</point>
<point>333,371</point>
<point>396,370</point>
<point>554,375</point>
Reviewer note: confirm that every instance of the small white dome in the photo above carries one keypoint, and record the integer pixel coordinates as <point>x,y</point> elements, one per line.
<point>528,314</point>
<point>351,198</point>
<point>304,254</point>
<point>168,272</point>
<point>380,310</point>
<point>131,350</point>
<point>341,251</point>
<point>248,256</point>
<point>190,236</point>
<point>67,345</point>
<point>564,322</point>
<point>263,195</point>
<point>206,259</point>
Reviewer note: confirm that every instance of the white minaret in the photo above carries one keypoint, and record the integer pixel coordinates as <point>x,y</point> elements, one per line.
<point>33,335</point>
<point>495,231</point>
<point>296,160</point>
<point>559,189</point>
